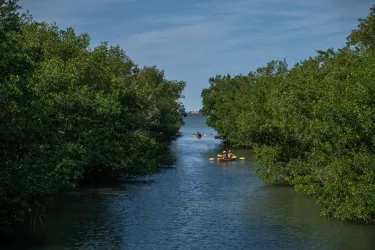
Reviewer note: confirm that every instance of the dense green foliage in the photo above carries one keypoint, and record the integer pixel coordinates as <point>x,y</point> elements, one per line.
<point>312,126</point>
<point>72,113</point>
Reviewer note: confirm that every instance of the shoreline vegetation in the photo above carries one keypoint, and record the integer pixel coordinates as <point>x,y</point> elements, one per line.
<point>74,115</point>
<point>311,126</point>
<point>71,115</point>
<point>190,113</point>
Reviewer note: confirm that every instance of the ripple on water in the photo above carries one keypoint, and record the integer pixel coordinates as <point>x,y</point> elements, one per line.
<point>200,205</point>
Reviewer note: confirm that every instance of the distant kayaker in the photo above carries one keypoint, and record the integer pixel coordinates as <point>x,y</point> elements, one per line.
<point>224,155</point>
<point>230,154</point>
<point>199,134</point>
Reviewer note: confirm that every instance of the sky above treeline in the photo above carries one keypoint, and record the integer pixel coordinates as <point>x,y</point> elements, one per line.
<point>194,40</point>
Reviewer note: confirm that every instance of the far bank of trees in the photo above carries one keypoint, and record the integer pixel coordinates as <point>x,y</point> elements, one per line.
<point>71,113</point>
<point>312,126</point>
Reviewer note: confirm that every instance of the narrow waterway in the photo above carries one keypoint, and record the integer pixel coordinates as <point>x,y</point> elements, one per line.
<point>199,205</point>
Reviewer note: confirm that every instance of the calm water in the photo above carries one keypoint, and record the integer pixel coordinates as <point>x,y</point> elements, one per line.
<point>199,205</point>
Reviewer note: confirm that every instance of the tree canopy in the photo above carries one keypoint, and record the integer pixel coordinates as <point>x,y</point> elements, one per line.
<point>312,126</point>
<point>70,112</point>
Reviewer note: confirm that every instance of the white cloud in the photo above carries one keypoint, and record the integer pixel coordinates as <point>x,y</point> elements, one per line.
<point>212,37</point>
<point>223,26</point>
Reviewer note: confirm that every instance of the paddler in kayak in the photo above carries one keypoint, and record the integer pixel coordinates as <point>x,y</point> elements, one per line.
<point>230,155</point>
<point>224,155</point>
<point>199,135</point>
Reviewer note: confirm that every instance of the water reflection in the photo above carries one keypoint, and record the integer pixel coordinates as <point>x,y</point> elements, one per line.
<point>200,204</point>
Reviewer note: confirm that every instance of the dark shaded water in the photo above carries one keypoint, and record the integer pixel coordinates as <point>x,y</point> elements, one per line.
<point>199,205</point>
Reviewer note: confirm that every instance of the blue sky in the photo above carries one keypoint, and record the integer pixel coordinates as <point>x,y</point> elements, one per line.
<point>194,40</point>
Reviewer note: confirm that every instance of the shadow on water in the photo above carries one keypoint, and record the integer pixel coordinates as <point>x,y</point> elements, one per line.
<point>198,204</point>
<point>296,218</point>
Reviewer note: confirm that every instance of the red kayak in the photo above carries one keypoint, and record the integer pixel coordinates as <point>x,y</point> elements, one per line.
<point>233,158</point>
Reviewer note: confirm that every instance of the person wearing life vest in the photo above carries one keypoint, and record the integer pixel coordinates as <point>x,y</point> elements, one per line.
<point>224,155</point>
<point>230,155</point>
<point>199,134</point>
